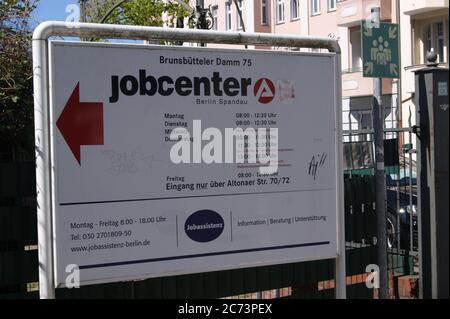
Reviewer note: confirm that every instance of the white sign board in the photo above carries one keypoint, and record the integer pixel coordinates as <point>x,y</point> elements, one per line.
<point>124,210</point>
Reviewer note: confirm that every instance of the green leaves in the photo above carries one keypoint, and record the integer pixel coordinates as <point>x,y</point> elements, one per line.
<point>137,12</point>
<point>16,87</point>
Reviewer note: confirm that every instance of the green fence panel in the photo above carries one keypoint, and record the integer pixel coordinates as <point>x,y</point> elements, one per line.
<point>110,291</point>
<point>212,286</point>
<point>275,273</point>
<point>183,286</point>
<point>287,272</point>
<point>357,259</point>
<point>19,295</point>
<point>19,224</point>
<point>250,280</point>
<point>18,267</point>
<point>170,287</point>
<point>400,264</point>
<point>197,285</point>
<point>9,183</point>
<point>18,230</point>
<point>237,281</point>
<point>359,291</point>
<point>349,202</point>
<point>391,156</point>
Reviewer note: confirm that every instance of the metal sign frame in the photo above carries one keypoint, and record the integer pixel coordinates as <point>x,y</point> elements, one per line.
<point>44,152</point>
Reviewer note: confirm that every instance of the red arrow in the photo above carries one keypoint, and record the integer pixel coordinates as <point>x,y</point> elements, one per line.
<point>81,123</point>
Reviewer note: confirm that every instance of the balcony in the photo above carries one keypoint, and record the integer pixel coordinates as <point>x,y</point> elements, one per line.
<point>414,7</point>
<point>351,12</point>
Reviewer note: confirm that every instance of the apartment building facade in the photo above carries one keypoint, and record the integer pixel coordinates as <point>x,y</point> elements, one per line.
<point>423,27</point>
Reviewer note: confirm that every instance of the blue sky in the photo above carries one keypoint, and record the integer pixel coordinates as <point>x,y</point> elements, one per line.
<point>55,10</point>
<point>52,10</point>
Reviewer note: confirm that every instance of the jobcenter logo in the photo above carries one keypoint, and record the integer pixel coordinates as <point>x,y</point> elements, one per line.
<point>264,90</point>
<point>216,85</point>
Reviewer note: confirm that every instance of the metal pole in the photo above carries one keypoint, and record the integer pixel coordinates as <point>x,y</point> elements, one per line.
<point>411,233</point>
<point>399,80</point>
<point>410,152</point>
<point>42,149</point>
<point>241,19</point>
<point>201,17</point>
<point>380,183</point>
<point>60,28</point>
<point>340,273</point>
<point>398,213</point>
<point>83,15</point>
<point>399,117</point>
<point>199,7</point>
<point>82,11</point>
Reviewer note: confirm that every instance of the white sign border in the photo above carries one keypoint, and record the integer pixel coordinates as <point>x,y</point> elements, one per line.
<point>52,130</point>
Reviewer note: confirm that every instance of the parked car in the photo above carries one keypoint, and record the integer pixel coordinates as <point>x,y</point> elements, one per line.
<point>403,212</point>
<point>404,181</point>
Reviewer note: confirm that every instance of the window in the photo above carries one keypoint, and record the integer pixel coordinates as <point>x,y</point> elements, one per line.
<point>315,7</point>
<point>238,17</point>
<point>440,41</point>
<point>355,38</point>
<point>280,10</point>
<point>428,40</point>
<point>331,5</point>
<point>228,16</point>
<point>295,9</point>
<point>264,12</point>
<point>214,12</point>
<point>435,39</point>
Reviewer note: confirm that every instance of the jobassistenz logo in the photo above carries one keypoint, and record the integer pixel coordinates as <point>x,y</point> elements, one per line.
<point>204,226</point>
<point>264,90</point>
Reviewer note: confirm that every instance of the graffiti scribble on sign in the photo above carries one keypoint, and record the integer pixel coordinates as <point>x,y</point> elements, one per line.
<point>316,163</point>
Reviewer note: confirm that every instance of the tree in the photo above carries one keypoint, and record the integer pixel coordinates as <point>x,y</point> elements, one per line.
<point>136,12</point>
<point>16,75</point>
